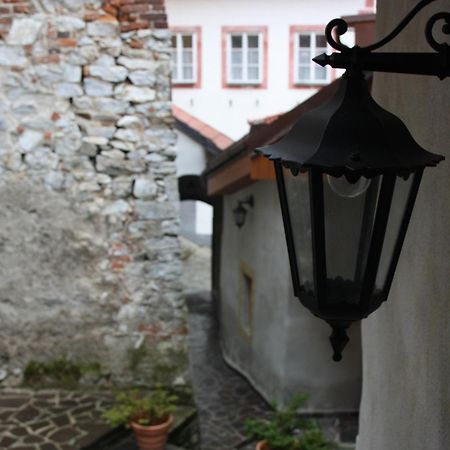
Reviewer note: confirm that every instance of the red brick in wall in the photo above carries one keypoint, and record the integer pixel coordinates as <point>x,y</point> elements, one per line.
<point>132,14</point>
<point>137,14</point>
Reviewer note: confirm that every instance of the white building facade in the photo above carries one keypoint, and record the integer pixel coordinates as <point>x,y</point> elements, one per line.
<point>243,60</point>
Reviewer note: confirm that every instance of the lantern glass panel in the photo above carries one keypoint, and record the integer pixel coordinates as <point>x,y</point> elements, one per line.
<point>397,213</point>
<point>298,200</point>
<point>349,212</point>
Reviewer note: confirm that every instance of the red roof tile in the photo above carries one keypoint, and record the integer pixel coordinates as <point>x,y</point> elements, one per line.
<point>219,139</point>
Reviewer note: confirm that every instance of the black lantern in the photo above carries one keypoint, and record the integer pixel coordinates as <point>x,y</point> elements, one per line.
<point>348,173</point>
<point>240,212</point>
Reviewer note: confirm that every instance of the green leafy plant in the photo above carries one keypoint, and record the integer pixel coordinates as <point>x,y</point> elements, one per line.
<point>286,430</point>
<point>145,409</point>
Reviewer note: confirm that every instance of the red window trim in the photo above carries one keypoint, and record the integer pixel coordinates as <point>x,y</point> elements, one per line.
<point>245,29</point>
<point>293,30</point>
<point>197,30</point>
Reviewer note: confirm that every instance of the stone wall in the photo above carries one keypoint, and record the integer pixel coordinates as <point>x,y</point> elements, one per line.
<point>90,261</point>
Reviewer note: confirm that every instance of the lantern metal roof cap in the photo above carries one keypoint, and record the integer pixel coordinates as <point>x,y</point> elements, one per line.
<point>351,135</point>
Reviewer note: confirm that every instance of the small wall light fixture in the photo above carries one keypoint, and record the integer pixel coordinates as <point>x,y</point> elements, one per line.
<point>240,212</point>
<point>348,174</point>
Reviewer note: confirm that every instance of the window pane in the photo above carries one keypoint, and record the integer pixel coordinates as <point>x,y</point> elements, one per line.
<point>303,73</point>
<point>187,41</point>
<point>253,56</point>
<point>236,41</point>
<point>174,41</point>
<point>188,73</point>
<point>304,57</point>
<point>346,240</point>
<point>305,40</point>
<point>246,301</point>
<point>321,41</point>
<point>297,192</point>
<point>236,73</point>
<point>187,56</point>
<point>253,41</point>
<point>236,57</point>
<point>398,207</point>
<point>320,73</point>
<point>253,73</point>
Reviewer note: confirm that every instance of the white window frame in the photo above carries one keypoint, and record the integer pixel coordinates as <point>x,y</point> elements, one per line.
<point>312,79</point>
<point>245,80</point>
<point>177,70</point>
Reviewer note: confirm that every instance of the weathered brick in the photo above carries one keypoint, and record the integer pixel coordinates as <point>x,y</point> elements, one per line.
<point>135,8</point>
<point>47,59</point>
<point>134,26</point>
<point>25,9</point>
<point>66,42</point>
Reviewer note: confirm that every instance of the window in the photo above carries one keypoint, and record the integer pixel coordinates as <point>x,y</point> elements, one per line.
<point>244,58</point>
<point>246,300</point>
<point>307,46</point>
<point>184,58</point>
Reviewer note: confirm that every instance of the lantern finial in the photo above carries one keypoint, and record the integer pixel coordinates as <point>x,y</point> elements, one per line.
<point>339,339</point>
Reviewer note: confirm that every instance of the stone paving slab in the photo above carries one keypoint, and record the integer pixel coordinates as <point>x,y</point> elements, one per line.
<point>225,399</point>
<point>51,419</point>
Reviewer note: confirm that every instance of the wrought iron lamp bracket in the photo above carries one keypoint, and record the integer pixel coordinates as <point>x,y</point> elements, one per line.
<point>361,58</point>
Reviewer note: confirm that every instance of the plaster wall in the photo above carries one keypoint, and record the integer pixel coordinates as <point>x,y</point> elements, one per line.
<point>288,350</point>
<point>191,158</point>
<point>406,356</point>
<point>234,107</point>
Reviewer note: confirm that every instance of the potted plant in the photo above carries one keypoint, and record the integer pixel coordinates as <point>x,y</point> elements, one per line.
<point>286,430</point>
<point>149,415</point>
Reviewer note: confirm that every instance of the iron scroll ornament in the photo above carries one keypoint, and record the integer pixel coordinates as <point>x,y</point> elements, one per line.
<point>362,58</point>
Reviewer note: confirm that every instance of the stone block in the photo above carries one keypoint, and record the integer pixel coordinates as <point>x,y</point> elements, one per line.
<point>71,73</point>
<point>127,134</point>
<point>97,88</point>
<point>124,146</point>
<point>12,56</point>
<point>121,186</point>
<point>145,188</point>
<point>136,63</point>
<point>118,207</point>
<point>69,90</point>
<point>150,210</point>
<point>68,24</point>
<point>143,78</point>
<point>114,166</point>
<point>41,158</point>
<point>107,27</point>
<point>129,122</point>
<point>135,94</point>
<point>110,104</point>
<point>25,31</point>
<point>30,139</point>
<point>114,74</point>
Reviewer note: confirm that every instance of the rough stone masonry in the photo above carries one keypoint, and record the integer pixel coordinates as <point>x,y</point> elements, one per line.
<point>89,252</point>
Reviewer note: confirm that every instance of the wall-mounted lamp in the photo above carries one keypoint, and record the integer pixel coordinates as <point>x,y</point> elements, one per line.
<point>348,174</point>
<point>240,212</point>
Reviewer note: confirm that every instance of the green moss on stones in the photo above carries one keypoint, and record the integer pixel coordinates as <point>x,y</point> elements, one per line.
<point>60,373</point>
<point>150,365</point>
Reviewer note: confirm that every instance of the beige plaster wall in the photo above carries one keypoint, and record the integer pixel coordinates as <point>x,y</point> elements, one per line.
<point>406,352</point>
<point>287,351</point>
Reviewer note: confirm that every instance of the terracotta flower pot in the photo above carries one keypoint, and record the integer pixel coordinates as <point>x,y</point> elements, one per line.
<point>261,445</point>
<point>152,437</point>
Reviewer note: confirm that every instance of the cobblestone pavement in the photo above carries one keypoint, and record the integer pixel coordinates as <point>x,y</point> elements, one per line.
<point>51,419</point>
<point>224,398</point>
